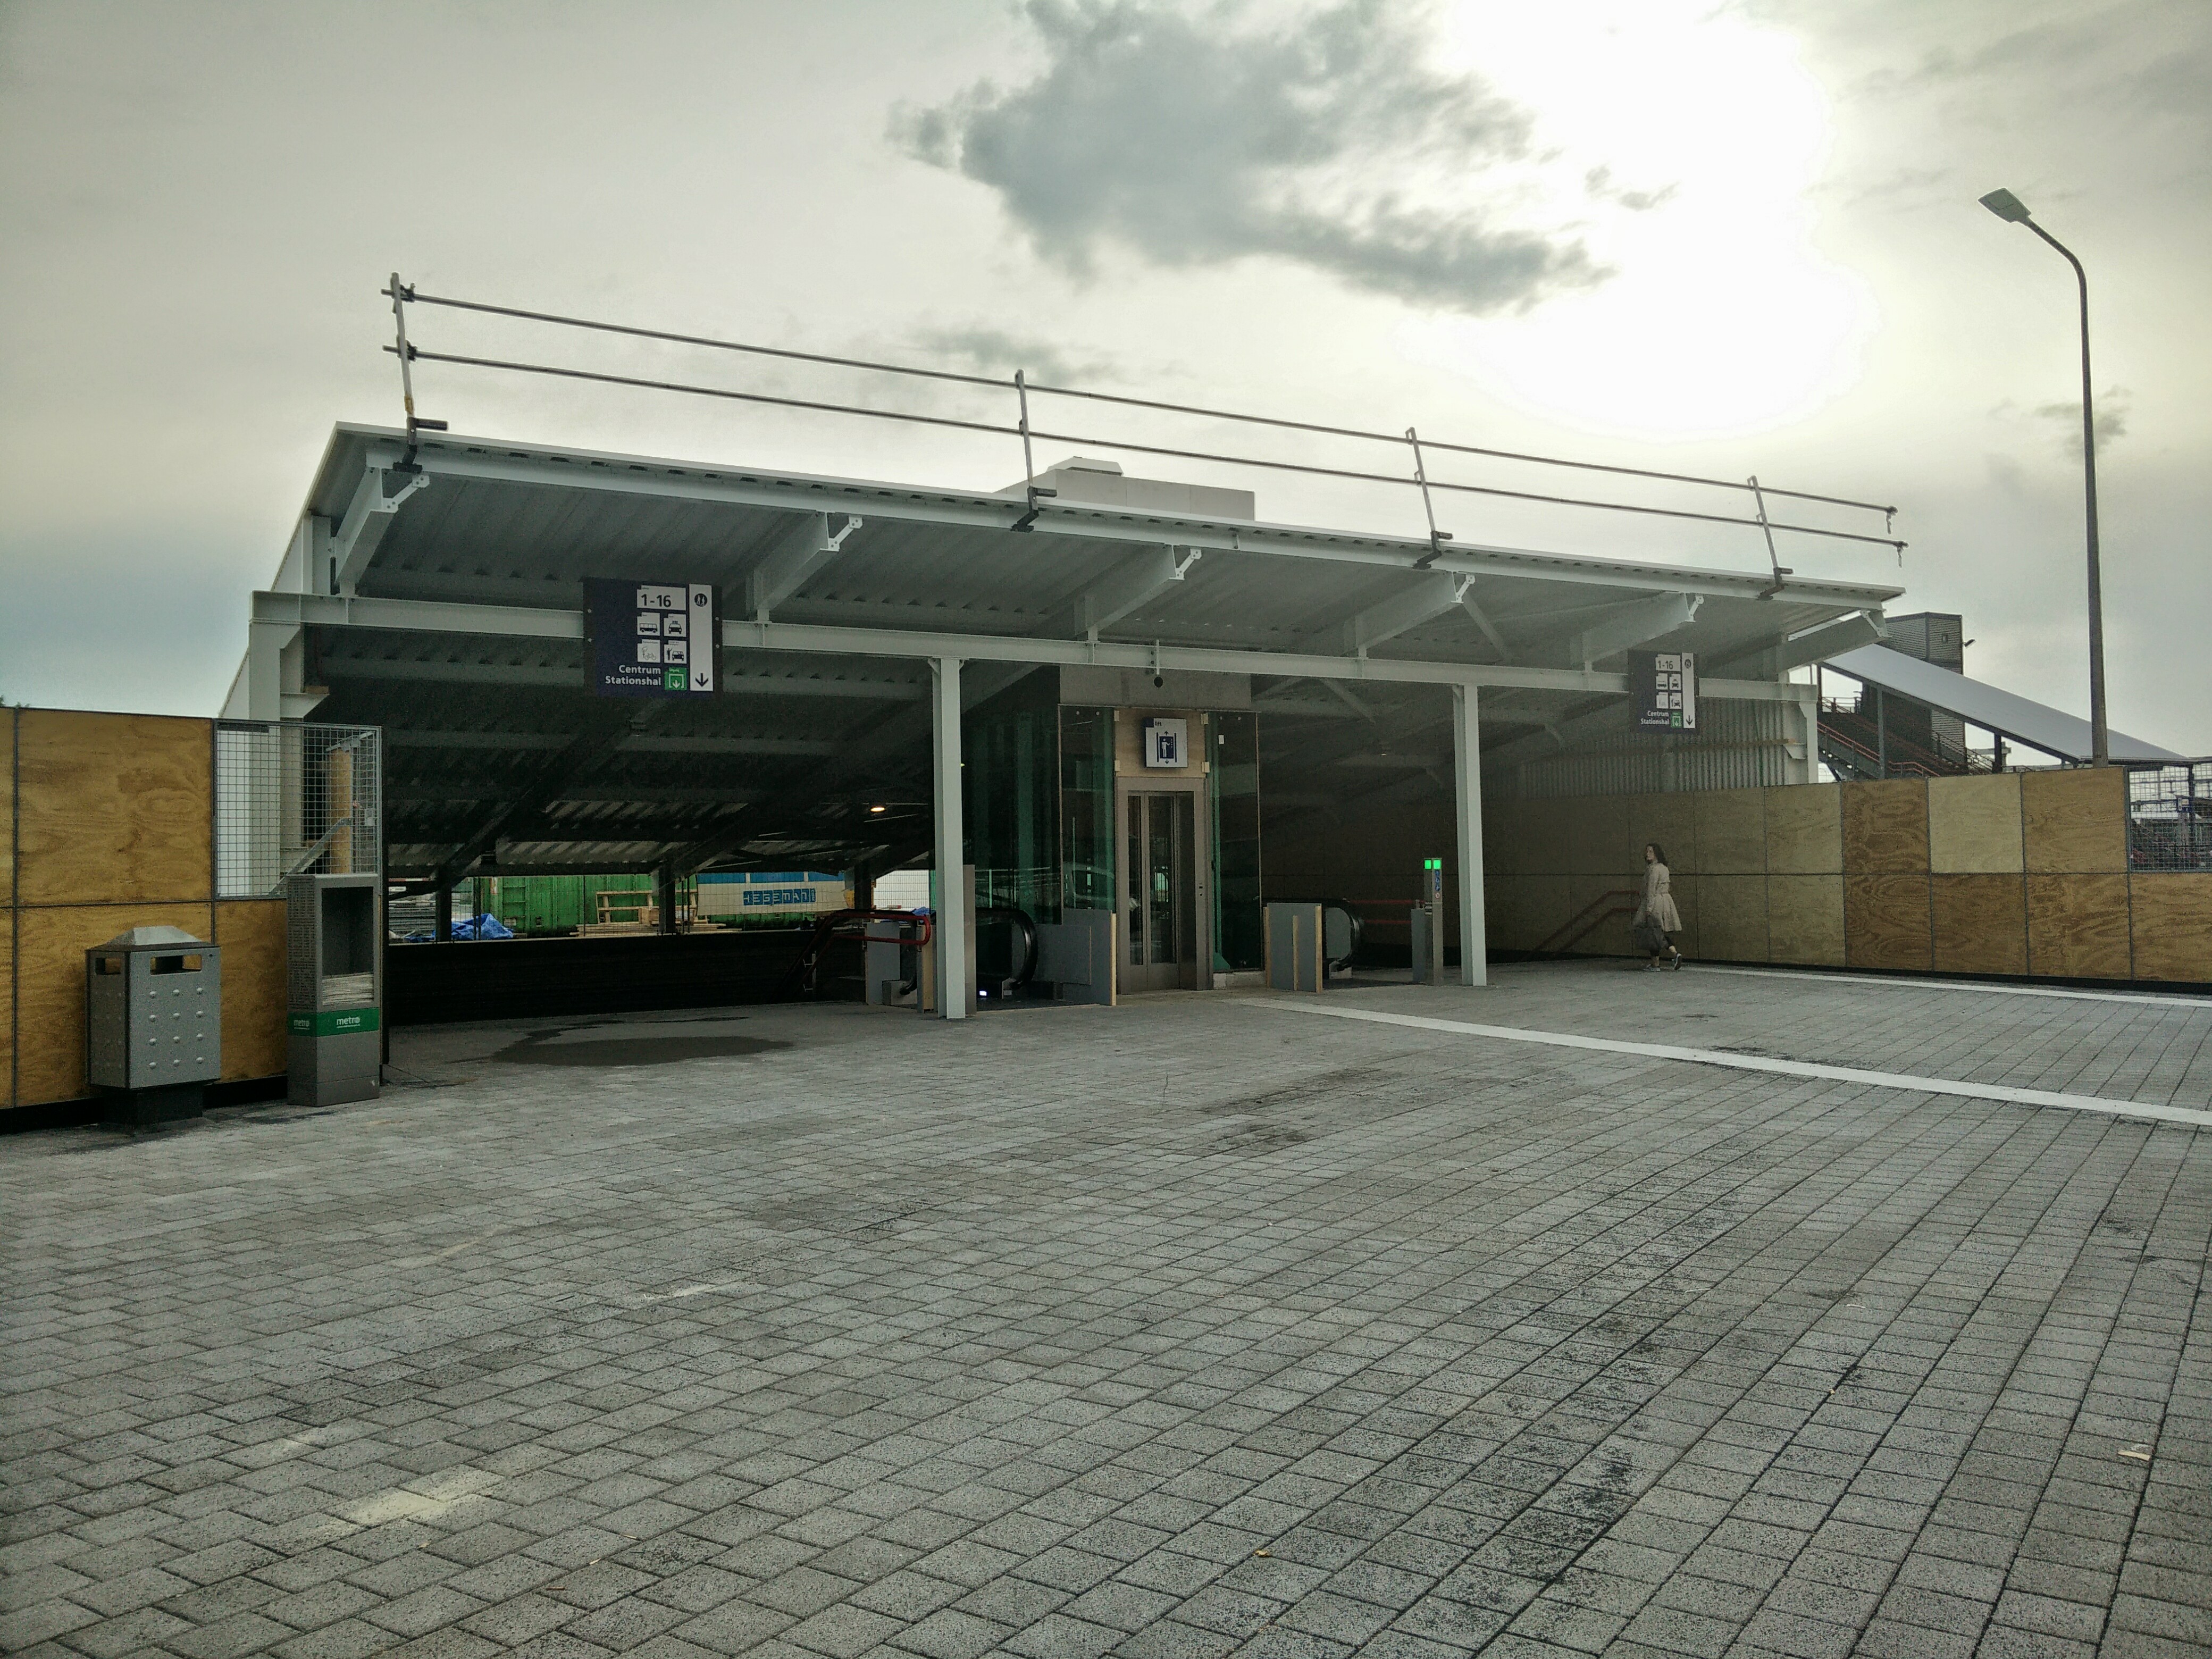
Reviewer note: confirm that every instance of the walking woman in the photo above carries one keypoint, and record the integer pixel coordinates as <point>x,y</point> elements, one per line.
<point>1656,920</point>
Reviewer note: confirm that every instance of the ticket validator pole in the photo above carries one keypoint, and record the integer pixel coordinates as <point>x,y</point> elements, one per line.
<point>1428,933</point>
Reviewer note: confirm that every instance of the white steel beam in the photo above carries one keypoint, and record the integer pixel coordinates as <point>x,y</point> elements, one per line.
<point>1482,621</point>
<point>1430,596</point>
<point>492,621</point>
<point>266,642</point>
<point>1466,802</point>
<point>951,838</point>
<point>801,550</point>
<point>1633,624</point>
<point>1131,584</point>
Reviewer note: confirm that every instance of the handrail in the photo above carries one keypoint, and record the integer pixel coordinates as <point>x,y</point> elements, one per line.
<point>402,294</point>
<point>804,972</point>
<point>1555,944</point>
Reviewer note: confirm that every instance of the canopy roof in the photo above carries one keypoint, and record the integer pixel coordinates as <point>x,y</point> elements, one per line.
<point>2018,719</point>
<point>443,604</point>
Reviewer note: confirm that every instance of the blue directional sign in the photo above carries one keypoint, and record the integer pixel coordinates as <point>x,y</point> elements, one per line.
<point>651,639</point>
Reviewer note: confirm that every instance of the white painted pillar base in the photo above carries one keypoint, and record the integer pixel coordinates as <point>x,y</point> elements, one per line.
<point>1466,796</point>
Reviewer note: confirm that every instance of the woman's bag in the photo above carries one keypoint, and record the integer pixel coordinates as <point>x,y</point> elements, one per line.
<point>1650,936</point>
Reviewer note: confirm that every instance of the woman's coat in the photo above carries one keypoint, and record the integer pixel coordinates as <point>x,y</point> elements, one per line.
<point>1659,900</point>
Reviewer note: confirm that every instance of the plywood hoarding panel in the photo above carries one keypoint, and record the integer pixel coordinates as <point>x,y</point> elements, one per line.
<point>251,934</point>
<point>1886,922</point>
<point>1685,890</point>
<point>1547,847</point>
<point>1501,849</point>
<point>50,1027</point>
<point>1543,909</point>
<point>2077,925</point>
<point>1805,920</point>
<point>6,1008</point>
<point>1597,835</point>
<point>1974,824</point>
<point>1604,901</point>
<point>1804,830</point>
<point>2077,819</point>
<point>1671,820</point>
<point>114,807</point>
<point>1731,832</point>
<point>1979,923</point>
<point>1732,916</point>
<point>1885,827</point>
<point>2172,916</point>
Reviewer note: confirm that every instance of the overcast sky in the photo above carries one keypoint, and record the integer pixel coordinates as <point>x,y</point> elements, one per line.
<point>1717,238</point>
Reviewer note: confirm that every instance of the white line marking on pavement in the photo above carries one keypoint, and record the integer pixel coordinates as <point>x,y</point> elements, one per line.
<point>2187,1005</point>
<point>1929,1085</point>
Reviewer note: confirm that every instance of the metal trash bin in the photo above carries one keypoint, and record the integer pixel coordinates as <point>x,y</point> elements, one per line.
<point>335,988</point>
<point>153,1023</point>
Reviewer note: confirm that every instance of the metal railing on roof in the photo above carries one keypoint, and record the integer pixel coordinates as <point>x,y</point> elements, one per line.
<point>1415,448</point>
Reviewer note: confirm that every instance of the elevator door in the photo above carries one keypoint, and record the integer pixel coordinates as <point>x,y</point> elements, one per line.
<point>1160,892</point>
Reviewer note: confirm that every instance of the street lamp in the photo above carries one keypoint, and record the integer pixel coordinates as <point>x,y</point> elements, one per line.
<point>2009,207</point>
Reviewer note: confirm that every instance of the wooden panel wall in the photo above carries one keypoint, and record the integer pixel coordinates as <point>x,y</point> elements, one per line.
<point>1732,916</point>
<point>1805,831</point>
<point>1886,922</point>
<point>1979,922</point>
<point>1731,832</point>
<point>112,826</point>
<point>49,1009</point>
<point>1885,827</point>
<point>2075,820</point>
<point>251,934</point>
<point>2020,874</point>
<point>1805,919</point>
<point>2173,926</point>
<point>1974,824</point>
<point>2077,926</point>
<point>115,807</point>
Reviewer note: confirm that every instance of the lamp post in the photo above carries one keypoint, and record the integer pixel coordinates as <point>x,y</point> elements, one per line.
<point>2009,207</point>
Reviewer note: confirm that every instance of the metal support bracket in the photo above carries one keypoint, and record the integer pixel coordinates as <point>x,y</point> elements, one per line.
<point>367,516</point>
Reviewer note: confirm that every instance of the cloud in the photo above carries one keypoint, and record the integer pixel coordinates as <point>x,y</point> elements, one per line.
<point>982,349</point>
<point>2112,407</point>
<point>1325,140</point>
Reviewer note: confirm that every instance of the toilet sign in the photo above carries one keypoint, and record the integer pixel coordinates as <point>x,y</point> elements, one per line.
<point>1663,685</point>
<point>650,639</point>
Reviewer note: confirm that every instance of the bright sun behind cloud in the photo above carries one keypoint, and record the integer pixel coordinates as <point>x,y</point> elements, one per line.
<point>1722,318</point>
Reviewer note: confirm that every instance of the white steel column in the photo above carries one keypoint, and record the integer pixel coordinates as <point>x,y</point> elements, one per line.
<point>952,987</point>
<point>1808,710</point>
<point>1466,797</point>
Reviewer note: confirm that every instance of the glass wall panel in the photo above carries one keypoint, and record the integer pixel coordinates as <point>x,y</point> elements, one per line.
<point>1237,921</point>
<point>1086,808</point>
<point>1012,751</point>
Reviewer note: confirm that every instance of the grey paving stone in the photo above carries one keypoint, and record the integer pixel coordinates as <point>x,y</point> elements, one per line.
<point>1490,1347</point>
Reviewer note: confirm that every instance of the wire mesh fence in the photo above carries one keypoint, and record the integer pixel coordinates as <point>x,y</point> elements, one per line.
<point>292,798</point>
<point>2170,816</point>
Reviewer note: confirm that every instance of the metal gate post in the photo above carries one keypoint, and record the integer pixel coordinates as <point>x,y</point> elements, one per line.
<point>1467,798</point>
<point>953,986</point>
